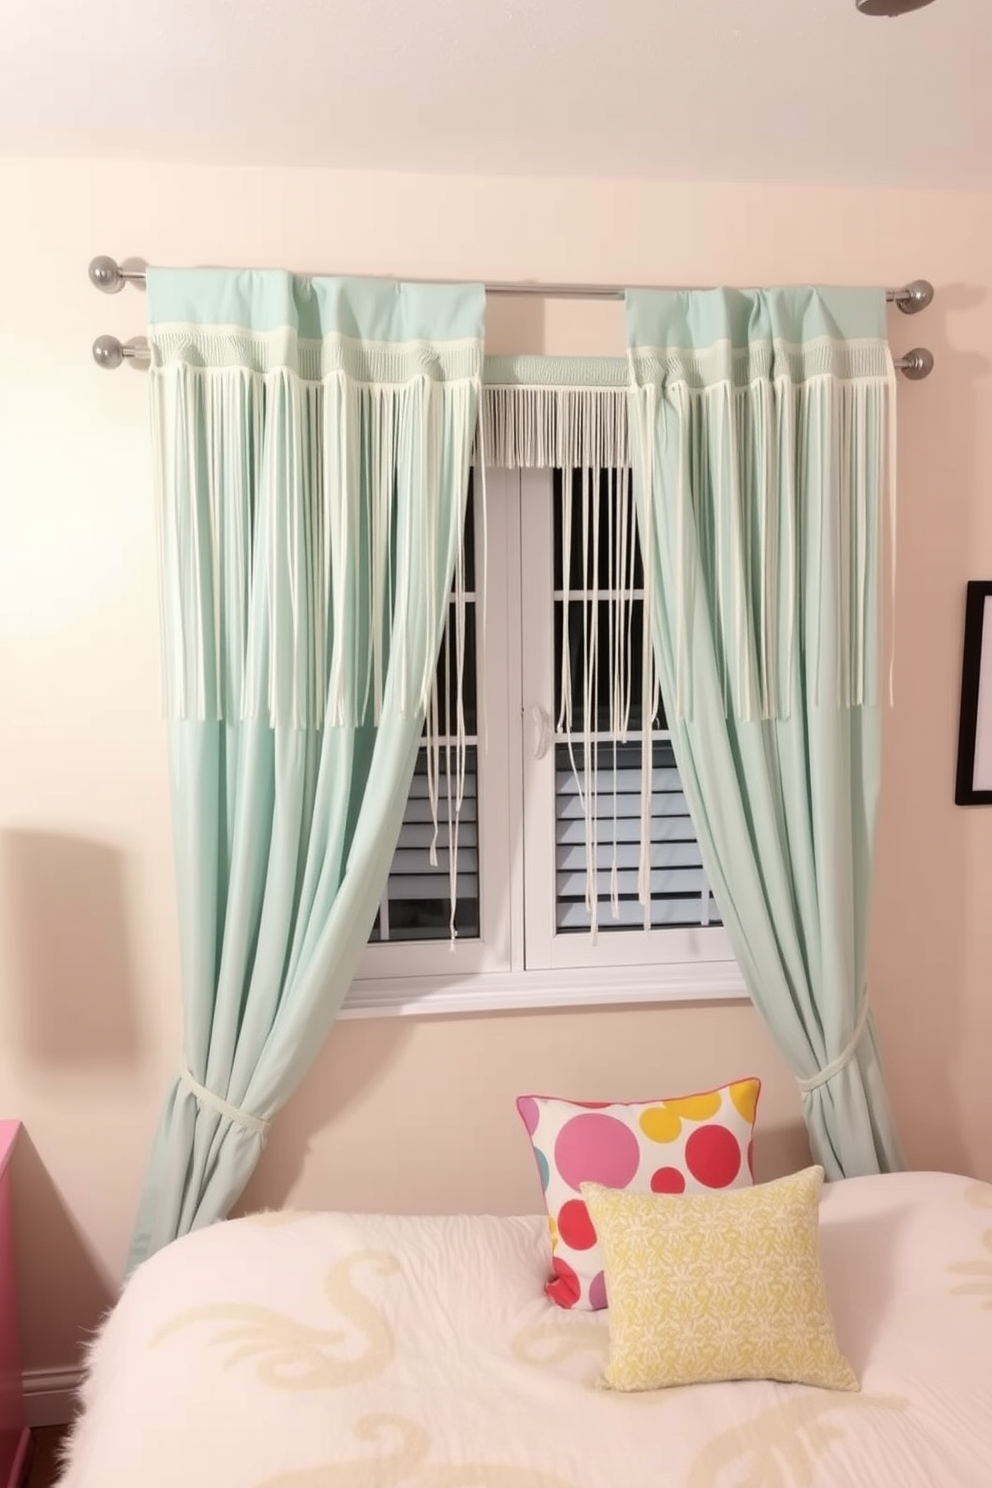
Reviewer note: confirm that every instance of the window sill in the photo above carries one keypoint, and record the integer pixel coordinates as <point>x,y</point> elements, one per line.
<point>491,992</point>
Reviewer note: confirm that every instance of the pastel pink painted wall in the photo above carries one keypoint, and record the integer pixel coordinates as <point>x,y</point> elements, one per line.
<point>417,1114</point>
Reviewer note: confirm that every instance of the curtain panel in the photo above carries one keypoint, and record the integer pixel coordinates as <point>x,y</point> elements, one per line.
<point>762,435</point>
<point>312,442</point>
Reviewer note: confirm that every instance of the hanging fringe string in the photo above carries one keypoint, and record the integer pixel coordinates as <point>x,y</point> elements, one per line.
<point>193,562</point>
<point>603,637</point>
<point>461,732</point>
<point>887,416</point>
<point>566,428</point>
<point>749,440</point>
<point>480,452</point>
<point>162,481</point>
<point>590,632</point>
<point>452,637</point>
<point>581,777</point>
<point>648,407</point>
<point>286,594</point>
<point>685,568</point>
<point>759,552</point>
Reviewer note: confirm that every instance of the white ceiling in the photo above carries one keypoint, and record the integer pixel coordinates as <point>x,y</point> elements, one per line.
<point>788,90</point>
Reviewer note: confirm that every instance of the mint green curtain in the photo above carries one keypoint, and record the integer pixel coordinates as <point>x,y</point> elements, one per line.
<point>762,437</point>
<point>312,443</point>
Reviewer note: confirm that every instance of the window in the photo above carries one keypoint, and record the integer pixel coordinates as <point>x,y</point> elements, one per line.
<point>549,836</point>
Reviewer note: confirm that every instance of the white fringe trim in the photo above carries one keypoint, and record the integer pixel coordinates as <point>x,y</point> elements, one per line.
<point>566,428</point>
<point>776,572</point>
<point>284,595</point>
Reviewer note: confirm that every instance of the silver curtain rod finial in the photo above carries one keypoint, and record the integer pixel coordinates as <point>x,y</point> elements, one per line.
<point>916,364</point>
<point>105,275</point>
<point>109,352</point>
<point>914,297</point>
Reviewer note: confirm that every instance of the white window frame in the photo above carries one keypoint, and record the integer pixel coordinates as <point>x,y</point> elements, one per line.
<point>518,961</point>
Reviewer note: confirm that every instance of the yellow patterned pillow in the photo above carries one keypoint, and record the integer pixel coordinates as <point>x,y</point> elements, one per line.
<point>722,1286</point>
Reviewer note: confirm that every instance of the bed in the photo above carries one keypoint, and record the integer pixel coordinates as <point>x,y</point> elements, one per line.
<point>289,1350</point>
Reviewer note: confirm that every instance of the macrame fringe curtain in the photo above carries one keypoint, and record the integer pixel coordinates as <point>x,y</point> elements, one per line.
<point>329,655</point>
<point>313,440</point>
<point>329,596</point>
<point>763,427</point>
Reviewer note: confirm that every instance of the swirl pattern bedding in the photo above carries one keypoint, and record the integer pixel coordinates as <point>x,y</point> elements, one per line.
<point>293,1350</point>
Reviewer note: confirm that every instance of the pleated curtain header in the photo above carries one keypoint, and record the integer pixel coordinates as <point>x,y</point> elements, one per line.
<point>765,420</point>
<point>701,337</point>
<point>196,314</point>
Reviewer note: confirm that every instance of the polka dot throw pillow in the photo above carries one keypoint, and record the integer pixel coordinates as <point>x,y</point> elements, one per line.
<point>685,1144</point>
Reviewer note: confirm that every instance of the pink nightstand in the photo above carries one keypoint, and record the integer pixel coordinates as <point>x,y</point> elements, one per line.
<point>15,1439</point>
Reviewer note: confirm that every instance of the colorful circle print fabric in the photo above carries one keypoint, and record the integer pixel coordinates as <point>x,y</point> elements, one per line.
<point>689,1144</point>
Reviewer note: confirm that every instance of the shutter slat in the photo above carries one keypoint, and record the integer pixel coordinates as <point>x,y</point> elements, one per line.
<point>628,854</point>
<point>417,860</point>
<point>437,929</point>
<point>418,810</point>
<point>571,831</point>
<point>685,881</point>
<point>418,835</point>
<point>430,886</point>
<point>669,803</point>
<point>665,913</point>
<point>418,786</point>
<point>626,782</point>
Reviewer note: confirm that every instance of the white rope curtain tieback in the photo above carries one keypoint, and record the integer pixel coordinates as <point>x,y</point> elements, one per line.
<point>843,1058</point>
<point>224,1108</point>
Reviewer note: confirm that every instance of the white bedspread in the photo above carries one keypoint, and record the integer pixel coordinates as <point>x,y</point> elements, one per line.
<point>338,1351</point>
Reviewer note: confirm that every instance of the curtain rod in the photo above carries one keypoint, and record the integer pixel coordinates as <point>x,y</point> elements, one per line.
<point>109,277</point>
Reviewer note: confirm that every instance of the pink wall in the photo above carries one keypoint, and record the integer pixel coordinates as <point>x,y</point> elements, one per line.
<point>417,1113</point>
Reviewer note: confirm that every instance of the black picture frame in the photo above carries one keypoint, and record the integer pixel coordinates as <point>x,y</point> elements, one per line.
<point>974,777</point>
